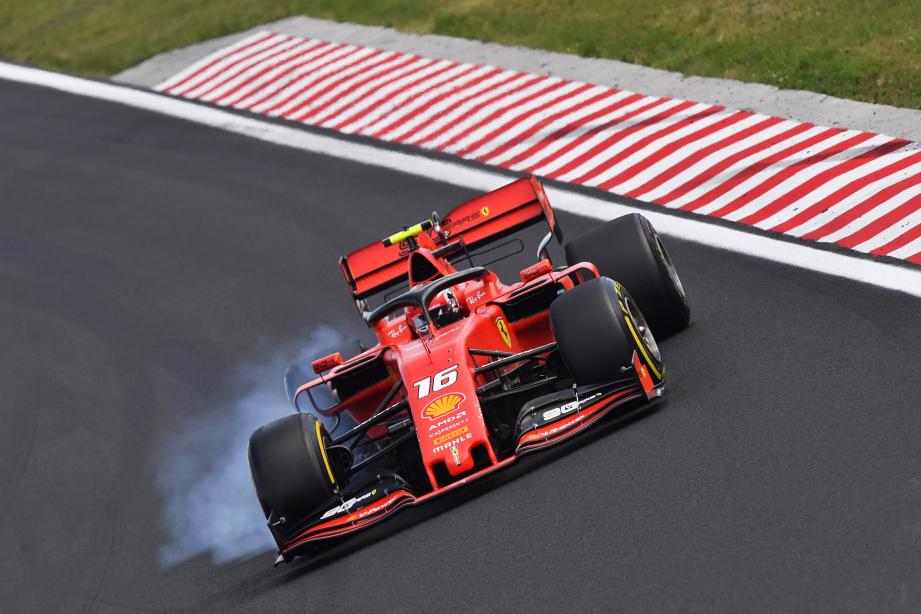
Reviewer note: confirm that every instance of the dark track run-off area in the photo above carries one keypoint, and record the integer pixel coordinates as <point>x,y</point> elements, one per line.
<point>145,260</point>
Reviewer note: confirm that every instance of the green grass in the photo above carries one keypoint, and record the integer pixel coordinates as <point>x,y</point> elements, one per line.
<point>863,49</point>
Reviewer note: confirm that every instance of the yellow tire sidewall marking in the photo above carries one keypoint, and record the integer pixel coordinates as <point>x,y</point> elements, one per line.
<point>329,469</point>
<point>639,343</point>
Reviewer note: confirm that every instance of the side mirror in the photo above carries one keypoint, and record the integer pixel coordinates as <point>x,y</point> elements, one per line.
<point>326,363</point>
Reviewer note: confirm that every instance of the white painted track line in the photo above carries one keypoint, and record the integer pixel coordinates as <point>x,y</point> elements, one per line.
<point>880,274</point>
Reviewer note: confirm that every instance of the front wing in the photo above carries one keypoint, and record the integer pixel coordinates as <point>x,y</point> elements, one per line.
<point>545,428</point>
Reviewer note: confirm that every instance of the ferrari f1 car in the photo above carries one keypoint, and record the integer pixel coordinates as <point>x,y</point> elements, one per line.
<point>469,373</point>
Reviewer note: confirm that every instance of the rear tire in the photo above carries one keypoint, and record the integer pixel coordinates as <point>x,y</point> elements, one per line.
<point>629,250</point>
<point>598,326</point>
<point>291,470</point>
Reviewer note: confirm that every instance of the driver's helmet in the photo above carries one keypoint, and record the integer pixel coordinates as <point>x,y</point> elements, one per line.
<point>446,308</point>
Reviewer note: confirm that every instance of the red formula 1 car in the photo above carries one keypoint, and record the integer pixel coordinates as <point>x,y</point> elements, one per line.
<point>470,373</point>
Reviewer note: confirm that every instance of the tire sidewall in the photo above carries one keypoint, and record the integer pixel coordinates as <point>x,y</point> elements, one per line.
<point>287,465</point>
<point>595,335</point>
<point>674,290</point>
<point>646,354</point>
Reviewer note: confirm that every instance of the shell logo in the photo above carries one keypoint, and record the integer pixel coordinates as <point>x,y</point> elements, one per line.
<point>443,405</point>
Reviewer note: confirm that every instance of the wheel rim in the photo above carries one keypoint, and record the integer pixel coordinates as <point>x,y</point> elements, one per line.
<point>670,268</point>
<point>642,329</point>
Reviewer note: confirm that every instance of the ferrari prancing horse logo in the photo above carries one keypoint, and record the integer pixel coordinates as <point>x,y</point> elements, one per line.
<point>503,331</point>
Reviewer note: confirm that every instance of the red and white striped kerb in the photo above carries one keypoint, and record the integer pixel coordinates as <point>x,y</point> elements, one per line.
<point>856,189</point>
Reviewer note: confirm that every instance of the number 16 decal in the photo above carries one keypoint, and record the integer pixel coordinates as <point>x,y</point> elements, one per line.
<point>440,380</point>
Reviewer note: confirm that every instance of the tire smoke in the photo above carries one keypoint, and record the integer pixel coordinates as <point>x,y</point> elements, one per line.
<point>203,476</point>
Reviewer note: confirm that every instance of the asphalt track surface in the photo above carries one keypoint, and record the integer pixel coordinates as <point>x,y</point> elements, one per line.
<point>144,259</point>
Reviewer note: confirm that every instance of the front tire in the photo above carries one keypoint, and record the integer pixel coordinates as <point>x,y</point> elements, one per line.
<point>598,327</point>
<point>629,250</point>
<point>290,466</point>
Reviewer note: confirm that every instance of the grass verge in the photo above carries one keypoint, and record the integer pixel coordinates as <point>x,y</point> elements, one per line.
<point>862,49</point>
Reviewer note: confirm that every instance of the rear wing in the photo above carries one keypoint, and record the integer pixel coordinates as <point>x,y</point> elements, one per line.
<point>484,219</point>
